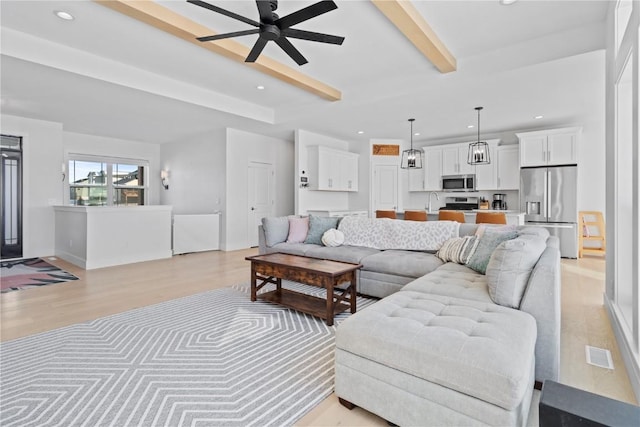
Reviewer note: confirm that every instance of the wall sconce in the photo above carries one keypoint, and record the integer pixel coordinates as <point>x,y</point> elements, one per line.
<point>164,176</point>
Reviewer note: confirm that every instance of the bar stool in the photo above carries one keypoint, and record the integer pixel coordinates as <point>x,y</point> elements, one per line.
<point>415,215</point>
<point>491,218</point>
<point>451,216</point>
<point>386,214</point>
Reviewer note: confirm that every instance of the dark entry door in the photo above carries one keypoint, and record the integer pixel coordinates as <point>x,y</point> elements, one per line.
<point>11,197</point>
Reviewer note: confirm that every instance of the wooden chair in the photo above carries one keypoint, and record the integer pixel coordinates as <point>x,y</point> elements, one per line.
<point>491,218</point>
<point>451,216</point>
<point>386,214</point>
<point>591,230</point>
<point>415,215</point>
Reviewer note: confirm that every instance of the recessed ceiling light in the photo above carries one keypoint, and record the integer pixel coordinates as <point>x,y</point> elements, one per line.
<point>260,87</point>
<point>416,134</point>
<point>64,15</point>
<point>507,2</point>
<point>470,126</point>
<point>538,117</point>
<point>360,132</point>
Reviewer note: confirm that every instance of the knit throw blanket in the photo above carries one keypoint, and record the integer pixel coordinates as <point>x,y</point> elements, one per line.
<point>385,233</point>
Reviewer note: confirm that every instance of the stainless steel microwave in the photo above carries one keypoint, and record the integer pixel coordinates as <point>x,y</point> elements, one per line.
<point>459,183</point>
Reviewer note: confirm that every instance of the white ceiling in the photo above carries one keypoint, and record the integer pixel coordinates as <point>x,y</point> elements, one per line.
<point>107,74</point>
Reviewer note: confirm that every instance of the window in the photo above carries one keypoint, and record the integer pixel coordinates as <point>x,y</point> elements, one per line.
<point>106,182</point>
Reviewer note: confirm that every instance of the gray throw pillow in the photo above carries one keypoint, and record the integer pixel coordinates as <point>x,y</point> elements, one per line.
<point>489,240</point>
<point>318,225</point>
<point>510,266</point>
<point>276,229</point>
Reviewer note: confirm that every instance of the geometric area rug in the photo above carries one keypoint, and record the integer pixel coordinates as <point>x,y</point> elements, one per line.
<point>28,273</point>
<point>209,359</point>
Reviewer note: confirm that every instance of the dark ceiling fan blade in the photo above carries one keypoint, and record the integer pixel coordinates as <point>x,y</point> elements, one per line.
<point>306,13</point>
<point>257,50</point>
<point>227,35</point>
<point>264,8</point>
<point>311,36</point>
<point>291,51</point>
<point>224,12</point>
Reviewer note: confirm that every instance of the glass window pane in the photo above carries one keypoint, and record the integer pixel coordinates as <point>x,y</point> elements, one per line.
<point>128,196</point>
<point>87,173</point>
<point>127,175</point>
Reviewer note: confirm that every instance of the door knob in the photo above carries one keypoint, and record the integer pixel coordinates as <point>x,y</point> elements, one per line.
<point>252,208</point>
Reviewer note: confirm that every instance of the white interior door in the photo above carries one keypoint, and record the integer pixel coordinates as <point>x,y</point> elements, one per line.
<point>385,187</point>
<point>260,198</point>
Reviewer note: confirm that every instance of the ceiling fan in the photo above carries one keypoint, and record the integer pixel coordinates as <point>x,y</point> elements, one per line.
<point>272,27</point>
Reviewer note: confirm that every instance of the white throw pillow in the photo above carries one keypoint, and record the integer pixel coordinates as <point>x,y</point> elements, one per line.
<point>333,237</point>
<point>510,266</point>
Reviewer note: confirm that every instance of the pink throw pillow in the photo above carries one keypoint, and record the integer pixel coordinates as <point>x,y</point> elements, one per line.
<point>298,229</point>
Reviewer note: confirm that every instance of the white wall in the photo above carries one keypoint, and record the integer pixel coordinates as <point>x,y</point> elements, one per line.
<point>42,180</point>
<point>623,242</point>
<point>241,149</point>
<point>359,200</point>
<point>306,199</point>
<point>197,174</point>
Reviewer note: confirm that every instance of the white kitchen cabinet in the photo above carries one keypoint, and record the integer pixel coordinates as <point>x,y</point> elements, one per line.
<point>454,160</point>
<point>487,175</point>
<point>433,169</point>
<point>332,170</point>
<point>508,168</point>
<point>416,179</point>
<point>429,178</point>
<point>549,147</point>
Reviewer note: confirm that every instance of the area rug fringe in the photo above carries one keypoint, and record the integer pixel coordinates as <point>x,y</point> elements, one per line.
<point>212,359</point>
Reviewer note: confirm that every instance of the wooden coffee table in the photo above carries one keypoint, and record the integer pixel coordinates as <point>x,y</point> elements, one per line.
<point>272,268</point>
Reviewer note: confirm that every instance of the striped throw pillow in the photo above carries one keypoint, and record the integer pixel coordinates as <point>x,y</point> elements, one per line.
<point>458,249</point>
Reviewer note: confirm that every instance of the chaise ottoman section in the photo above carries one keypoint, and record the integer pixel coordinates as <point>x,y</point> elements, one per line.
<point>416,358</point>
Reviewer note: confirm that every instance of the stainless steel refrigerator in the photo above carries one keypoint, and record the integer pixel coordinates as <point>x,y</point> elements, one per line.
<point>548,198</point>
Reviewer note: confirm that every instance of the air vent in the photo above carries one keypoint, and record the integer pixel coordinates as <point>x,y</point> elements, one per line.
<point>599,357</point>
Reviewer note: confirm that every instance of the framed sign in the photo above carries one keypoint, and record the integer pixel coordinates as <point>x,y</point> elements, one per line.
<point>386,150</point>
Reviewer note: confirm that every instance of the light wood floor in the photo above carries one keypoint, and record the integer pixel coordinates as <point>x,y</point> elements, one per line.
<point>112,290</point>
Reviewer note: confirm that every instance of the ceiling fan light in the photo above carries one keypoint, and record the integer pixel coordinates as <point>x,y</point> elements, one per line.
<point>411,159</point>
<point>478,151</point>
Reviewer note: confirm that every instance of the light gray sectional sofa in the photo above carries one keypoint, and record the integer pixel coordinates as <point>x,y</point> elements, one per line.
<point>437,349</point>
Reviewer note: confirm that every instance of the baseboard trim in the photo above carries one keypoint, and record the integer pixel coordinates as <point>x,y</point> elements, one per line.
<point>629,357</point>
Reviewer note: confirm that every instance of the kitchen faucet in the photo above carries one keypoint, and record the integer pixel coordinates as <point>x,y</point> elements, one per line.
<point>437,198</point>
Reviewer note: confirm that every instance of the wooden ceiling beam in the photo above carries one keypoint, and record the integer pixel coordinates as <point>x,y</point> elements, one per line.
<point>173,23</point>
<point>404,15</point>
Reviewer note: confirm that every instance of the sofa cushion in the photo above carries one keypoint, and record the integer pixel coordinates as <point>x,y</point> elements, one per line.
<point>276,229</point>
<point>402,263</point>
<point>479,349</point>
<point>510,266</point>
<point>298,229</point>
<point>536,231</point>
<point>293,248</point>
<point>453,280</point>
<point>353,254</point>
<point>318,225</point>
<point>489,240</point>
